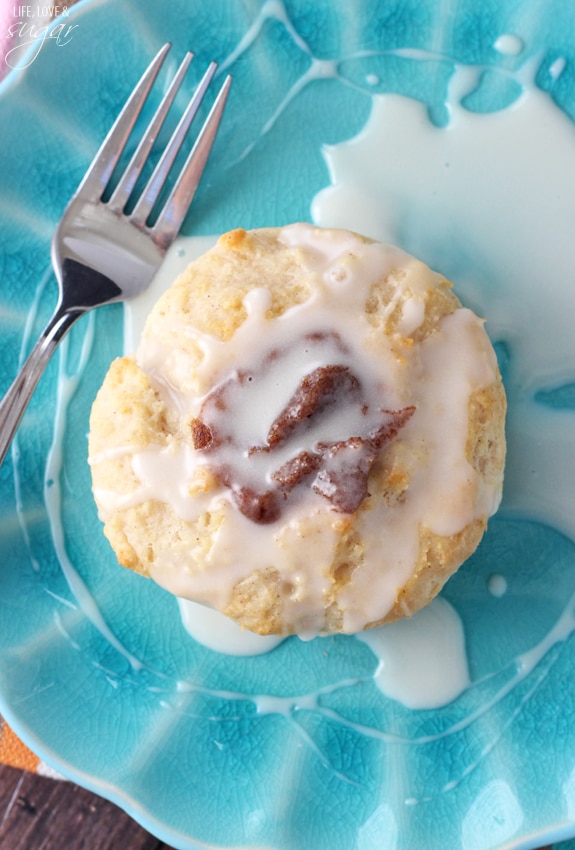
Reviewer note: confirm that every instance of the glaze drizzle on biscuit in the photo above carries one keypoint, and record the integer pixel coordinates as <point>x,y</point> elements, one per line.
<point>336,469</point>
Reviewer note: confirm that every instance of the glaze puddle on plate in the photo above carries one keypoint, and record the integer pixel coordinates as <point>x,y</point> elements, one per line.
<point>221,634</point>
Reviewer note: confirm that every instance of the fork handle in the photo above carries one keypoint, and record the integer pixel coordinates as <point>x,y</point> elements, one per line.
<point>16,400</point>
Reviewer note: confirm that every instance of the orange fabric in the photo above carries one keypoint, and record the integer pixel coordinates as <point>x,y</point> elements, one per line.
<point>13,752</point>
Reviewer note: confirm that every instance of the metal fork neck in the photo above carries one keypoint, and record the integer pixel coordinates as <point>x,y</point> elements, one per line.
<point>15,401</point>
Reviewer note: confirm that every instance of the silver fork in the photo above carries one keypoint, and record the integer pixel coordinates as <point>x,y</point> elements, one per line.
<point>100,254</point>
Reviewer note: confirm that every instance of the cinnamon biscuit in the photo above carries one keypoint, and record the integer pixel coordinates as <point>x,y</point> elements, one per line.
<point>311,437</point>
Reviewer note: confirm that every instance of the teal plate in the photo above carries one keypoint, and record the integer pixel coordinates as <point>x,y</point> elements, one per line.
<point>96,671</point>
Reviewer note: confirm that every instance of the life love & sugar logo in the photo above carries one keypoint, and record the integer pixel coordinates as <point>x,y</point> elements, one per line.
<point>27,30</point>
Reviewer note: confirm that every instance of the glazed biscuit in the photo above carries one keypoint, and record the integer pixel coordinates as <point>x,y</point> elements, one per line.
<point>310,438</point>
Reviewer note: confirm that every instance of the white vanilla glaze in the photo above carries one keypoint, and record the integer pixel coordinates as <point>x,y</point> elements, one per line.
<point>221,634</point>
<point>474,201</point>
<point>436,377</point>
<point>497,585</point>
<point>255,402</point>
<point>422,660</point>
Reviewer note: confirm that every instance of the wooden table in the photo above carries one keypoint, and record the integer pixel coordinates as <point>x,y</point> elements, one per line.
<point>39,813</point>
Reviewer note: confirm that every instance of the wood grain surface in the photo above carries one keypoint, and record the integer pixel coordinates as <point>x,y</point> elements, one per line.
<point>40,813</point>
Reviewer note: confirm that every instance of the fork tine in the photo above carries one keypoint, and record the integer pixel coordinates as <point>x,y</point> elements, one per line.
<point>128,180</point>
<point>154,186</point>
<point>103,164</point>
<point>178,202</point>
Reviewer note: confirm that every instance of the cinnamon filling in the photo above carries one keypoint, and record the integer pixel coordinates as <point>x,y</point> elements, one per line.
<point>335,469</point>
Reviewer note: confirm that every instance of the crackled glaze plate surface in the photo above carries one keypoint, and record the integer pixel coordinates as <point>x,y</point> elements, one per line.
<point>447,128</point>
